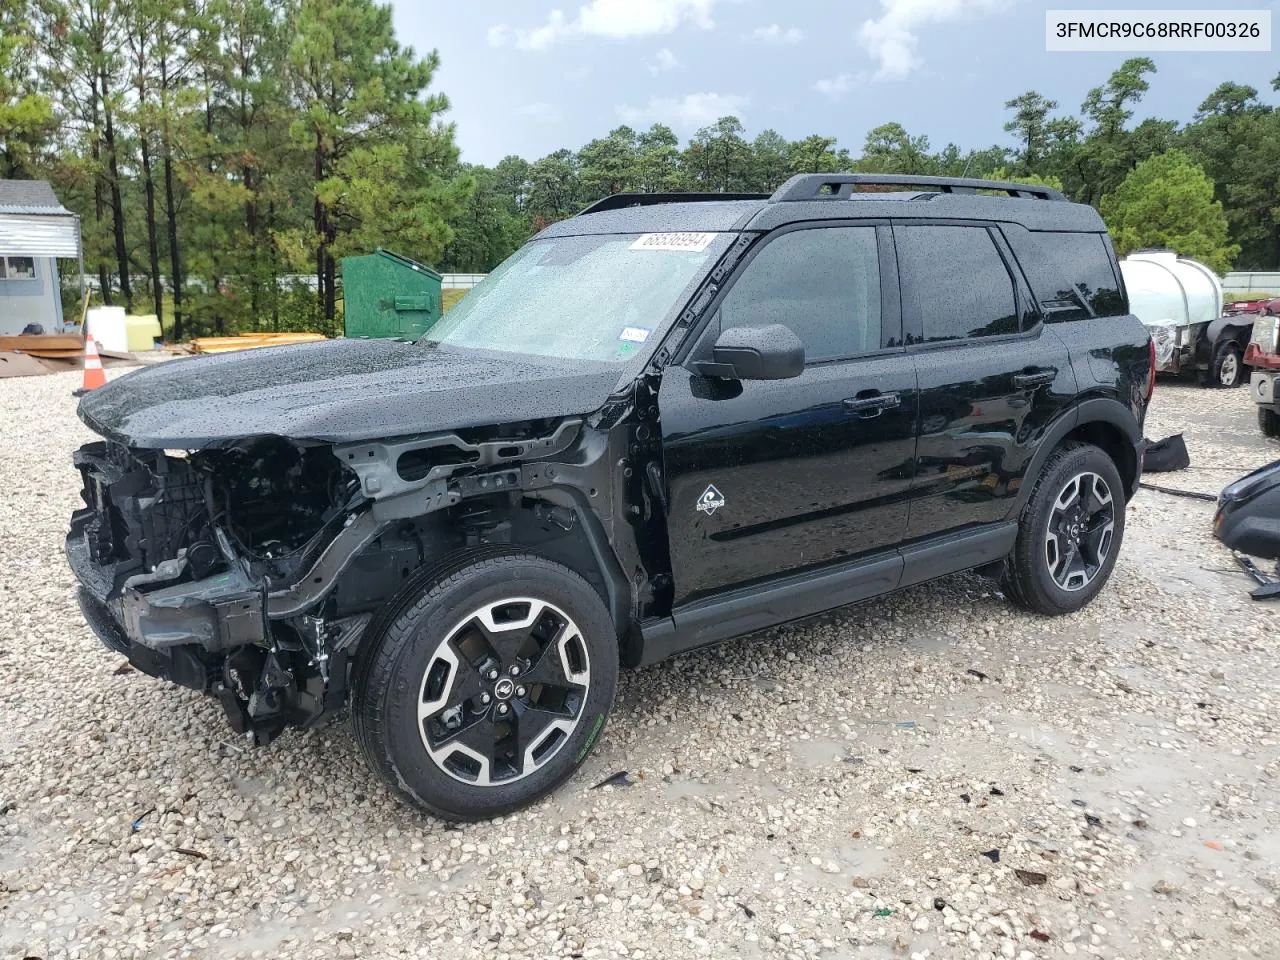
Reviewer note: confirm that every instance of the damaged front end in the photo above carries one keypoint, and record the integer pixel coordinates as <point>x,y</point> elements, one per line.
<point>178,553</point>
<point>250,570</point>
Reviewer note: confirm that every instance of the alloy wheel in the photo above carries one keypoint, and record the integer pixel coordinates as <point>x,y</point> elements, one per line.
<point>504,691</point>
<point>1081,527</point>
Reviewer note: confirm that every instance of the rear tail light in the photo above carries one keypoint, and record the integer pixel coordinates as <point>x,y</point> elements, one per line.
<point>1151,376</point>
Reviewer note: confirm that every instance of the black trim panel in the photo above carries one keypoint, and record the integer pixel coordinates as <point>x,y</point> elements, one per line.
<point>961,550</point>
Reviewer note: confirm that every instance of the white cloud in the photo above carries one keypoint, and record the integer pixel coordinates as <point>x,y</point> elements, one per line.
<point>892,39</point>
<point>836,87</point>
<point>777,34</point>
<point>685,113</point>
<point>663,61</point>
<point>618,19</point>
<point>542,112</point>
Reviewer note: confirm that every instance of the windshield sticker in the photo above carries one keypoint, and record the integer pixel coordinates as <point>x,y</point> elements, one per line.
<point>684,242</point>
<point>633,335</point>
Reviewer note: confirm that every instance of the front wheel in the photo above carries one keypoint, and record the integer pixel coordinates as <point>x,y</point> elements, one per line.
<point>488,686</point>
<point>1069,534</point>
<point>1269,422</point>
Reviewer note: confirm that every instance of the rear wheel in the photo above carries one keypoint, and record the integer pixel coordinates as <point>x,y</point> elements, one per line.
<point>489,686</point>
<point>1069,534</point>
<point>1269,422</point>
<point>1228,365</point>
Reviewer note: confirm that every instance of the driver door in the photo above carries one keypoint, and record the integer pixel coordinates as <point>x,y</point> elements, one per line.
<point>766,478</point>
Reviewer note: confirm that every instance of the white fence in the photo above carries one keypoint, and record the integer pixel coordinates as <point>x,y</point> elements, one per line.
<point>460,281</point>
<point>1246,282</point>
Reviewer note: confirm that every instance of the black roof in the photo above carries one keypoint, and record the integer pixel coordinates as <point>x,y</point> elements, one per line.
<point>28,197</point>
<point>837,197</point>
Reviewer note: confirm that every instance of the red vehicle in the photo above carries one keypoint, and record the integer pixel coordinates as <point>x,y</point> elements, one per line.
<point>1262,305</point>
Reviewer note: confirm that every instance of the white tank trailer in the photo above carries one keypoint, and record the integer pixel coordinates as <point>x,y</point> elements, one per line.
<point>1180,301</point>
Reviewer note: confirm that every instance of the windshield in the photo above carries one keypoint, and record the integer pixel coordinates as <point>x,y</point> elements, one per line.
<point>600,297</point>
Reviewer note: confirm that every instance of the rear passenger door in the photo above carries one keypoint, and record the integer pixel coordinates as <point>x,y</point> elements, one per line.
<point>992,376</point>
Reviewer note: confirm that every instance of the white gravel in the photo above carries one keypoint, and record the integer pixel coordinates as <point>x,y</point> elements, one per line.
<point>825,790</point>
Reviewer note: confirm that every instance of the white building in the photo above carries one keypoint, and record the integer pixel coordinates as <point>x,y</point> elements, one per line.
<point>35,229</point>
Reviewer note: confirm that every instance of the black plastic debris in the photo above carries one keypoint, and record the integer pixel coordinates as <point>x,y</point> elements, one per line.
<point>915,769</point>
<point>939,903</point>
<point>1039,935</point>
<point>1080,803</point>
<point>992,855</point>
<point>1092,821</point>
<point>137,823</point>
<point>1165,456</point>
<point>188,852</point>
<point>996,791</point>
<point>619,779</point>
<point>751,914</point>
<point>1031,878</point>
<point>976,673</point>
<point>965,797</point>
<point>1074,769</point>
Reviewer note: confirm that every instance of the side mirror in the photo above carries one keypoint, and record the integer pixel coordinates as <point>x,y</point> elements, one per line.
<point>755,353</point>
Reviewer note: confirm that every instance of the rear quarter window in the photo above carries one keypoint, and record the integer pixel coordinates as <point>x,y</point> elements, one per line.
<point>1071,274</point>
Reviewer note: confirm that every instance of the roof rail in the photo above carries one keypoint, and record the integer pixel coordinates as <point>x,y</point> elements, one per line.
<point>619,201</point>
<point>840,186</point>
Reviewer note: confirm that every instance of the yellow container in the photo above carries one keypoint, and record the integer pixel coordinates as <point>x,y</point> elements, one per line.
<point>141,333</point>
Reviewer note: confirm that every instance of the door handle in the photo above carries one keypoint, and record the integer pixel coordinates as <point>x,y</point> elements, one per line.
<point>1034,378</point>
<point>871,403</point>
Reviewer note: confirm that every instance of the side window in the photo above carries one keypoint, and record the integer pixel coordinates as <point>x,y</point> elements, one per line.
<point>1069,271</point>
<point>824,284</point>
<point>954,282</point>
<point>17,268</point>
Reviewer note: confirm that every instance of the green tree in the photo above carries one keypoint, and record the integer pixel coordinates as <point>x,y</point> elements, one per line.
<point>379,154</point>
<point>888,148</point>
<point>1236,138</point>
<point>488,229</point>
<point>555,188</point>
<point>1109,151</point>
<point>26,114</point>
<point>814,154</point>
<point>1167,201</point>
<point>718,159</point>
<point>1031,125</point>
<point>610,165</point>
<point>658,160</point>
<point>770,161</point>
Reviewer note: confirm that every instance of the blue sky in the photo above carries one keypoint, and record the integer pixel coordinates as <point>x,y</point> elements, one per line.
<point>531,76</point>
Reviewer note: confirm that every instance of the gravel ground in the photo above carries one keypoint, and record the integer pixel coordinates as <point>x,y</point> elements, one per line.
<point>833,789</point>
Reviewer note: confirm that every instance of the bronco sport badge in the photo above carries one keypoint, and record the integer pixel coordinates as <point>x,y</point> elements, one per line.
<point>711,500</point>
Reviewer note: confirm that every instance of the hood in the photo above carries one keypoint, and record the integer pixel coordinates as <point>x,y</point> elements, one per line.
<point>339,391</point>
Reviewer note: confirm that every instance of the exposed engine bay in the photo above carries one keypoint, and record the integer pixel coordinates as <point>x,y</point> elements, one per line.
<point>251,570</point>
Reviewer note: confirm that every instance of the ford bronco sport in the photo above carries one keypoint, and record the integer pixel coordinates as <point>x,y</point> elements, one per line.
<point>667,421</point>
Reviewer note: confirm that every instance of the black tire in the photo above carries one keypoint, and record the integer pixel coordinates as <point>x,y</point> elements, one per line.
<point>1029,578</point>
<point>1227,369</point>
<point>1269,422</point>
<point>391,681</point>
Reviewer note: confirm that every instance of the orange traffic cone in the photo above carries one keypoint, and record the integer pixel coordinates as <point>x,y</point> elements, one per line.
<point>94,375</point>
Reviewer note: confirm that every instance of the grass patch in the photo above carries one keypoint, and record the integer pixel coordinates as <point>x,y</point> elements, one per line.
<point>448,298</point>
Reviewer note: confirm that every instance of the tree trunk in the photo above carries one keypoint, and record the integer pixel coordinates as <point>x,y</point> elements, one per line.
<point>99,202</point>
<point>117,203</point>
<point>321,216</point>
<point>171,210</point>
<point>153,244</point>
<point>175,263</point>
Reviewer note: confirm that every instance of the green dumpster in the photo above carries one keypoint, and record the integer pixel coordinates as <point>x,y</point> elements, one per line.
<point>387,295</point>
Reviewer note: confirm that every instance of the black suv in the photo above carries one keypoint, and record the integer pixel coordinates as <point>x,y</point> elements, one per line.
<point>667,421</point>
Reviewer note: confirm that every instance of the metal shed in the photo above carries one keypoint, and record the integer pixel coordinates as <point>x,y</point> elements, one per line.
<point>35,230</point>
